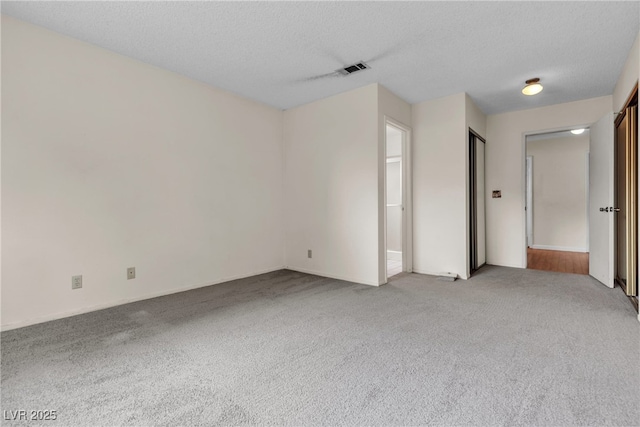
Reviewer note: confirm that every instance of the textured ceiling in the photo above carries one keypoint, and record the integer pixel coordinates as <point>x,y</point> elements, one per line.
<point>284,53</point>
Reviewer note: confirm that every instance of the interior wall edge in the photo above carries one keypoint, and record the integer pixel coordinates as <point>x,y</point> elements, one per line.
<point>439,153</point>
<point>332,172</point>
<point>629,76</point>
<point>335,276</point>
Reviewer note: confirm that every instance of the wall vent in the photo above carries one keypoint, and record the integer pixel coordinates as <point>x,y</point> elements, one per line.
<point>350,69</point>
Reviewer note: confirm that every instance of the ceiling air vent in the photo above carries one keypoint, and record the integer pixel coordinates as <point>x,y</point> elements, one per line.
<point>353,68</point>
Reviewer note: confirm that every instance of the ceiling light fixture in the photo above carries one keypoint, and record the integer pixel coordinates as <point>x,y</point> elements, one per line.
<point>533,87</point>
<point>577,131</point>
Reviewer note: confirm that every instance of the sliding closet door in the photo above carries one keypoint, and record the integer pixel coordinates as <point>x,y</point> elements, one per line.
<point>480,201</point>
<point>477,237</point>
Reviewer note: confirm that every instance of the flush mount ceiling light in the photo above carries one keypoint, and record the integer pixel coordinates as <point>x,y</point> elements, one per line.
<point>577,131</point>
<point>533,87</point>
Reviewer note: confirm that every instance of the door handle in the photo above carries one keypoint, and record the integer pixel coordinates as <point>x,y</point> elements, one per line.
<point>616,209</point>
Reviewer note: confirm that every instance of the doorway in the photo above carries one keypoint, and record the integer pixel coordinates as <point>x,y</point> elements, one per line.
<point>477,228</point>
<point>397,199</point>
<point>625,198</point>
<point>556,201</point>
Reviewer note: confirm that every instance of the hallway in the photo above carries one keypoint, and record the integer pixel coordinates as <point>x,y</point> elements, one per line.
<point>559,261</point>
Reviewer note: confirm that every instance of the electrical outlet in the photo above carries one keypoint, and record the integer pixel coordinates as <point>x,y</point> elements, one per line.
<point>76,282</point>
<point>309,253</point>
<point>131,273</point>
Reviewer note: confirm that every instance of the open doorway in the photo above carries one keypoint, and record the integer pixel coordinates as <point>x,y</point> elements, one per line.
<point>557,191</point>
<point>398,203</point>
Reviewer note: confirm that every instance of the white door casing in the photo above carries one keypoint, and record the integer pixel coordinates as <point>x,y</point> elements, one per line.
<point>405,205</point>
<point>529,205</point>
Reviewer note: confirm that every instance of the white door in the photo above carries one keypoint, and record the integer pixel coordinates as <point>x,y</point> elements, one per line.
<point>601,200</point>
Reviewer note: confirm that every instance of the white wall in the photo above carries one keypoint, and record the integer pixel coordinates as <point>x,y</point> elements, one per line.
<point>441,183</point>
<point>109,163</point>
<point>475,118</point>
<point>440,186</point>
<point>628,77</point>
<point>560,192</point>
<point>505,166</point>
<point>332,185</point>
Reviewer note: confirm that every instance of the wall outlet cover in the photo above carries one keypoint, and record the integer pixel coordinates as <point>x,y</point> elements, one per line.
<point>131,273</point>
<point>76,282</point>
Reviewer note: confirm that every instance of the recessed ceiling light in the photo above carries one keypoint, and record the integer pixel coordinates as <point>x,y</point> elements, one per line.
<point>533,87</point>
<point>577,131</point>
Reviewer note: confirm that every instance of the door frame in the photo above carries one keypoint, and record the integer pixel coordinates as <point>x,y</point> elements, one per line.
<point>523,164</point>
<point>407,202</point>
<point>473,202</point>
<point>529,199</point>
<point>632,178</point>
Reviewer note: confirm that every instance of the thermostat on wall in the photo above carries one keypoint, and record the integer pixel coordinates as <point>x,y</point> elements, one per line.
<point>496,194</point>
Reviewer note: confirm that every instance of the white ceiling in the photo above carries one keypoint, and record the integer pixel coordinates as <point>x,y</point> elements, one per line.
<point>284,53</point>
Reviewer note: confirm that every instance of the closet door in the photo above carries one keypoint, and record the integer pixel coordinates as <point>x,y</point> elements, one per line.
<point>477,237</point>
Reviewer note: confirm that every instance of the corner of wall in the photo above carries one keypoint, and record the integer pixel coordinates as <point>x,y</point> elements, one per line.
<point>439,147</point>
<point>629,76</point>
<point>332,151</point>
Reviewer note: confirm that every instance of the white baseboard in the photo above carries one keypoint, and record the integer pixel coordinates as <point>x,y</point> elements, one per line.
<point>62,315</point>
<point>394,255</point>
<point>437,273</point>
<point>559,248</point>
<point>331,276</point>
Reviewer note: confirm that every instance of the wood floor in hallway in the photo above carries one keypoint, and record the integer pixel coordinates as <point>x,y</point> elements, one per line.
<point>560,261</point>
